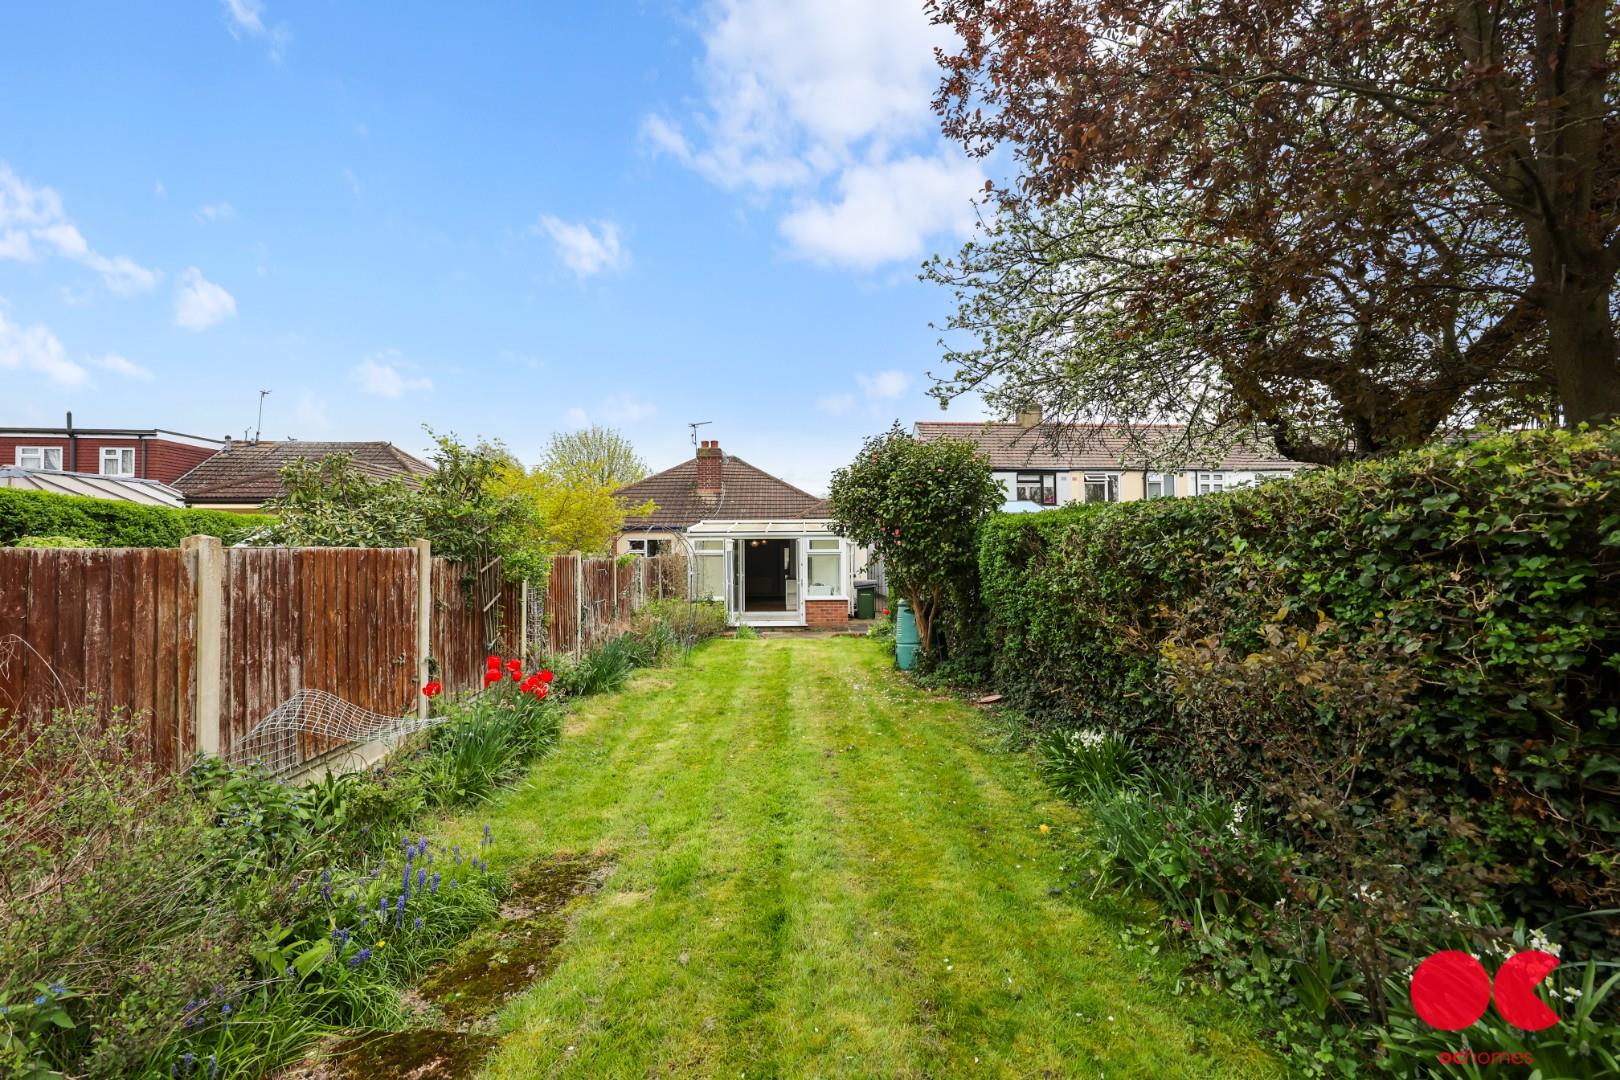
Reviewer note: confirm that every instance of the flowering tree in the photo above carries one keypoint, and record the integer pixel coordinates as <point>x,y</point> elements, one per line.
<point>917,506</point>
<point>1468,147</point>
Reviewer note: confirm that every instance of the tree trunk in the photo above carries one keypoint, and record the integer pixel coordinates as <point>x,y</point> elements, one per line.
<point>1581,342</point>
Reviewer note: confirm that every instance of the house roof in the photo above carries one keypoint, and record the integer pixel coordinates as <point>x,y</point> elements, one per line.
<point>747,492</point>
<point>1091,446</point>
<point>251,472</point>
<point>117,488</point>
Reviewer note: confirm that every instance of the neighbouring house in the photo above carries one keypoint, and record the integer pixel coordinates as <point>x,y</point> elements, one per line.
<point>137,453</point>
<point>1099,463</point>
<point>762,546</point>
<point>117,488</point>
<point>245,475</point>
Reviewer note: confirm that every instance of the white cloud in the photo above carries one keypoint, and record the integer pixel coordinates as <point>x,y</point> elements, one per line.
<point>353,181</point>
<point>159,190</point>
<point>576,418</point>
<point>312,413</point>
<point>36,349</point>
<point>625,409</point>
<point>34,225</point>
<point>199,303</point>
<point>884,384</point>
<point>887,212</point>
<point>120,365</point>
<point>584,250</point>
<point>835,94</point>
<point>220,211</point>
<point>379,374</point>
<point>246,18</point>
<point>836,404</point>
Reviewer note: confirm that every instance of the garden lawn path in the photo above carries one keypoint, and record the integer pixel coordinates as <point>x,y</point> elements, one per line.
<point>820,870</point>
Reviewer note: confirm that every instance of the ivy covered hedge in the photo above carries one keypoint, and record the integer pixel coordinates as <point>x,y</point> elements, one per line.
<point>105,523</point>
<point>1411,667</point>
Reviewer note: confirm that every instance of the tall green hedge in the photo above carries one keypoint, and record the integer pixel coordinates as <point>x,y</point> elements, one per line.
<point>1411,661</point>
<point>106,523</point>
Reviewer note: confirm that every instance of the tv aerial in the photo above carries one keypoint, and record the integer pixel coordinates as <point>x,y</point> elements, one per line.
<point>694,426</point>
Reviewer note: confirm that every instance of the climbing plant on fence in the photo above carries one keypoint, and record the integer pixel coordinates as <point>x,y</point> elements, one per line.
<point>1413,664</point>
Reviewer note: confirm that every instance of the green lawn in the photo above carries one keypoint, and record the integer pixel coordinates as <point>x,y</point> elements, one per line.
<point>821,871</point>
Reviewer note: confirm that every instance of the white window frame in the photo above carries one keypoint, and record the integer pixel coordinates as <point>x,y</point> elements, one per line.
<point>1045,478</point>
<point>38,457</point>
<point>1109,481</point>
<point>1166,482</point>
<point>829,546</point>
<point>116,454</point>
<point>708,549</point>
<point>1211,483</point>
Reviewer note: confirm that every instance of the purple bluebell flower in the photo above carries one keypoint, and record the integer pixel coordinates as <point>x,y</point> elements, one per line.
<point>189,1060</point>
<point>421,845</point>
<point>433,887</point>
<point>57,988</point>
<point>421,877</point>
<point>213,1066</point>
<point>419,922</point>
<point>359,958</point>
<point>42,999</point>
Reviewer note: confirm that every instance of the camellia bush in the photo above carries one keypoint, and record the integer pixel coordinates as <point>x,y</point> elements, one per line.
<point>917,507</point>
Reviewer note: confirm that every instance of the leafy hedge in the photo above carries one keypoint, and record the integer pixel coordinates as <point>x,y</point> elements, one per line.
<point>1412,666</point>
<point>106,523</point>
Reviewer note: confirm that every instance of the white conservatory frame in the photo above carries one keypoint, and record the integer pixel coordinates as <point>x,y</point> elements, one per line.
<point>724,540</point>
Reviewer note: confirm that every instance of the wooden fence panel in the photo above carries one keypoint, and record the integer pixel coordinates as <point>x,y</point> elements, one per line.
<point>335,619</point>
<point>119,626</point>
<point>110,629</point>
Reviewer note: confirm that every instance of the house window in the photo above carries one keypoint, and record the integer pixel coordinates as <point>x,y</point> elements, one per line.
<point>1102,487</point>
<point>710,558</point>
<point>645,547</point>
<point>1040,488</point>
<point>1209,482</point>
<point>118,461</point>
<point>1161,485</point>
<point>824,565</point>
<point>40,457</point>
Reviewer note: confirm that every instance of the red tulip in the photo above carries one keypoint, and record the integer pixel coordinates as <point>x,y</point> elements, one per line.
<point>514,665</point>
<point>540,691</point>
<point>491,677</point>
<point>493,661</point>
<point>433,689</point>
<point>546,676</point>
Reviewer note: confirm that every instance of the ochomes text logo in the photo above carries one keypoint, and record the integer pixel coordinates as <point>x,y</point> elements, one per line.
<point>1451,990</point>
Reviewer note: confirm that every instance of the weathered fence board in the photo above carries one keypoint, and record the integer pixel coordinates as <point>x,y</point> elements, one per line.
<point>117,629</point>
<point>110,629</point>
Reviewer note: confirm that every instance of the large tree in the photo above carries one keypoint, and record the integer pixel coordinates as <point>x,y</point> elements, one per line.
<point>594,455</point>
<point>1295,129</point>
<point>1119,306</point>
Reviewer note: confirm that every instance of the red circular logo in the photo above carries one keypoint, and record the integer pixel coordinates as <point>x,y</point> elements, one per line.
<point>1450,990</point>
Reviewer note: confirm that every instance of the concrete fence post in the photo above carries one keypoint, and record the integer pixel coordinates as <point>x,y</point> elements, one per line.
<point>205,562</point>
<point>579,603</point>
<point>424,621</point>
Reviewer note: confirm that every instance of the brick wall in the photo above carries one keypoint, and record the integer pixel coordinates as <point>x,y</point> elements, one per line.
<point>826,614</point>
<point>159,459</point>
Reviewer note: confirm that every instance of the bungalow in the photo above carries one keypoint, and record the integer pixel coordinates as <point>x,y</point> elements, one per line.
<point>244,475</point>
<point>762,546</point>
<point>1100,463</point>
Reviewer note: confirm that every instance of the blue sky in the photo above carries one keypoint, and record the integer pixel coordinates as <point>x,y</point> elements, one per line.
<point>497,220</point>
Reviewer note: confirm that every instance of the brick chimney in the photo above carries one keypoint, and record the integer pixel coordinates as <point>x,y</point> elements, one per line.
<point>1029,416</point>
<point>710,462</point>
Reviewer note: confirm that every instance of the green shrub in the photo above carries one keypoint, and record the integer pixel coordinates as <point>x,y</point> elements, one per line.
<point>105,523</point>
<point>1413,661</point>
<point>52,542</point>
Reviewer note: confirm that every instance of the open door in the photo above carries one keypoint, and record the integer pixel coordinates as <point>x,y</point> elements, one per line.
<point>733,594</point>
